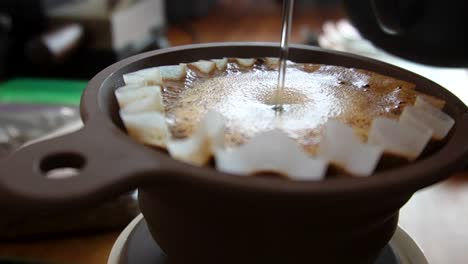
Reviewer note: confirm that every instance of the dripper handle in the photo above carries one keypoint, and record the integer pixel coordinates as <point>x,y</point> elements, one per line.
<point>100,164</point>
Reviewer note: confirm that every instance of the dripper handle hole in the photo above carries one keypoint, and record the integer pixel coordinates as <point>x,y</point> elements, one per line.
<point>62,165</point>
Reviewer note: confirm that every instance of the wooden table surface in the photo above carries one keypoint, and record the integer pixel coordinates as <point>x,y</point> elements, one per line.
<point>437,218</point>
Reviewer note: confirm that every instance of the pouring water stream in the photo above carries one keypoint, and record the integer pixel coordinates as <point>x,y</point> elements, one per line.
<point>287,15</point>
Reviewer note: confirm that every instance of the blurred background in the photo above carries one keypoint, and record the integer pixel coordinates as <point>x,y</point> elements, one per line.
<point>49,49</point>
<point>77,38</point>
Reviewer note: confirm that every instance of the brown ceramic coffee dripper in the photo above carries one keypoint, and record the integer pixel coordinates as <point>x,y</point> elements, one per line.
<point>200,215</point>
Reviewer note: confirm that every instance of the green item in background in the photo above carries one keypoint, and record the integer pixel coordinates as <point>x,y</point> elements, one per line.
<point>42,91</point>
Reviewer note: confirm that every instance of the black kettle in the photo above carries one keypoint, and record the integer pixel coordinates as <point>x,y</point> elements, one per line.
<point>427,31</point>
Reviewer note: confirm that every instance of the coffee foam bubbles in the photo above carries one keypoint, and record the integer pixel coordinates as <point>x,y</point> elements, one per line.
<point>223,108</point>
<point>310,98</point>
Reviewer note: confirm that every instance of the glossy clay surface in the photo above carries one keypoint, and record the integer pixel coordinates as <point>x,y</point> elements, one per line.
<point>312,95</point>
